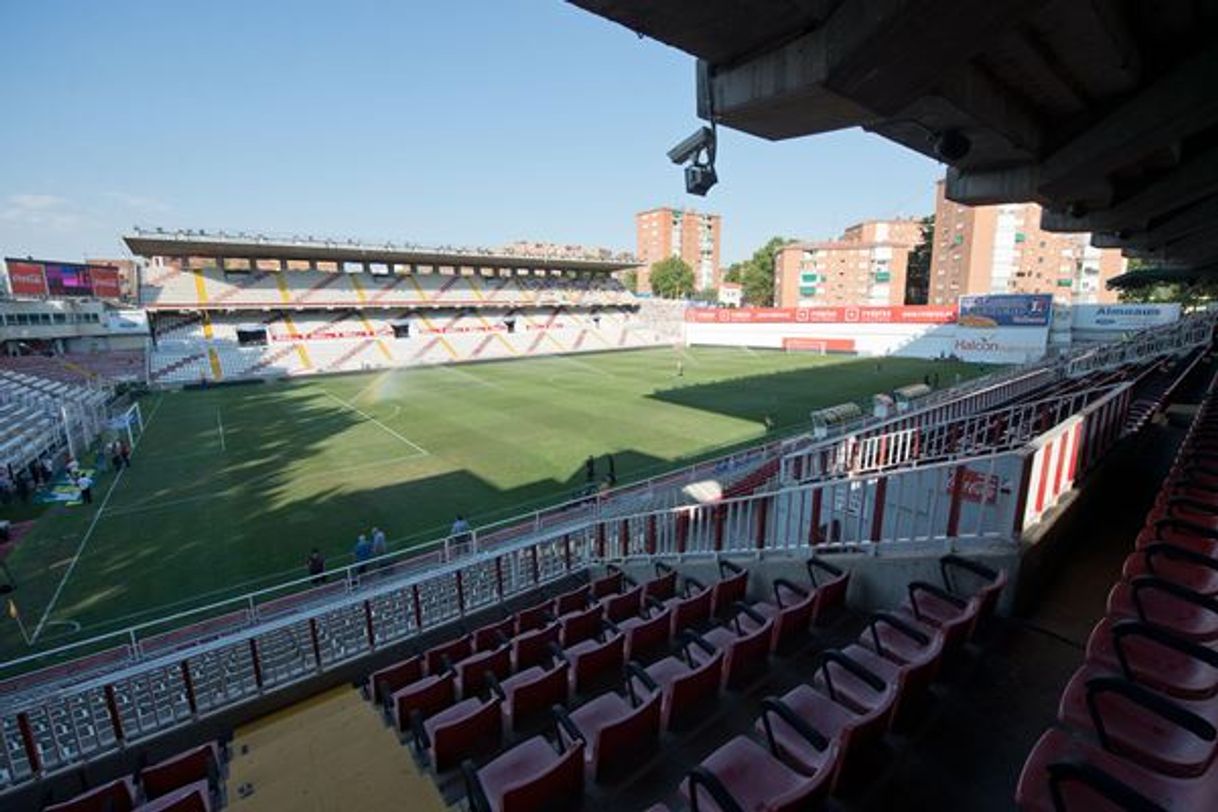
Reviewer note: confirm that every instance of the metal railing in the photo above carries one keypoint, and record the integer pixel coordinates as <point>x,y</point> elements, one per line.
<point>135,695</point>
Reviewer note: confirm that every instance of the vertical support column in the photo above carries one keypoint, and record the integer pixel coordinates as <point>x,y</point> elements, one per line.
<point>761,510</point>
<point>814,524</point>
<point>953,510</point>
<point>461,593</point>
<point>536,567</point>
<point>651,534</point>
<point>566,551</point>
<point>256,663</point>
<point>418,607</point>
<point>720,520</point>
<point>315,639</point>
<point>189,685</point>
<point>499,576</point>
<point>116,721</point>
<point>368,628</point>
<point>877,512</point>
<point>27,741</point>
<point>600,540</point>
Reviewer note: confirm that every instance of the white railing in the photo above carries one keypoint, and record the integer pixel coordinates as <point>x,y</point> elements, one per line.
<point>141,687</point>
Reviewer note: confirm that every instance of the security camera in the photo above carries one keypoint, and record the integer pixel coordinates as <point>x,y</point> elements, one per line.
<point>699,178</point>
<point>702,139</point>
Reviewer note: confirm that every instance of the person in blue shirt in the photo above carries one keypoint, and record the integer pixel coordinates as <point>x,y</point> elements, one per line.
<point>363,551</point>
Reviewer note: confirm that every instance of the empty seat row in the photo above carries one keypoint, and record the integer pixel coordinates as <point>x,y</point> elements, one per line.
<point>1136,722</point>
<point>190,781</point>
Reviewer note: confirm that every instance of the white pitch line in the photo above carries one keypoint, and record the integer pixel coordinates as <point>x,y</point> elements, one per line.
<point>89,532</point>
<point>420,449</point>
<point>469,376</point>
<point>368,388</point>
<point>220,424</point>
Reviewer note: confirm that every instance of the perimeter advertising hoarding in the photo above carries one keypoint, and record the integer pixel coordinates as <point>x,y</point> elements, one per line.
<point>127,321</point>
<point>26,278</point>
<point>903,314</point>
<point>1006,310</point>
<point>1123,316</point>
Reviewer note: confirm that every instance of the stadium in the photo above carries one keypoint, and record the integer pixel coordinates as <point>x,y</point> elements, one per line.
<point>324,523</point>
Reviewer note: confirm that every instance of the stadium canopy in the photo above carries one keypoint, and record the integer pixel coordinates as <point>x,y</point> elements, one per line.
<point>1105,112</point>
<point>200,244</point>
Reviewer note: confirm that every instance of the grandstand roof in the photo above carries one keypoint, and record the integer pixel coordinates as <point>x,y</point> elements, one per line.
<point>182,244</point>
<point>1103,112</point>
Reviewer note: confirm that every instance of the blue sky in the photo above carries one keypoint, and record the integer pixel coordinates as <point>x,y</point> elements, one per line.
<point>471,122</point>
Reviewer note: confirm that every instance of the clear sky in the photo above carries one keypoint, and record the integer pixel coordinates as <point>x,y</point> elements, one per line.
<point>469,122</point>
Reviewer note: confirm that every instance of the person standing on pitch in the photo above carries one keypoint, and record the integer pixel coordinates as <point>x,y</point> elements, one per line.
<point>363,551</point>
<point>379,547</point>
<point>124,451</point>
<point>317,567</point>
<point>612,478</point>
<point>86,488</point>
<point>590,469</point>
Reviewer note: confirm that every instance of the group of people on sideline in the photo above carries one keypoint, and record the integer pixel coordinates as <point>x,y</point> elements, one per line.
<point>372,546</point>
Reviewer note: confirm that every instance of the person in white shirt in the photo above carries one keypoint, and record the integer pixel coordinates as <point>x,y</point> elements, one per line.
<point>86,488</point>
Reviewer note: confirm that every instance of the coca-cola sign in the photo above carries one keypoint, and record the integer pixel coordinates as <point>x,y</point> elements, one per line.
<point>976,486</point>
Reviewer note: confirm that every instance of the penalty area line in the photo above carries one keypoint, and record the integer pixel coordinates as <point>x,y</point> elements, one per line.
<point>420,450</point>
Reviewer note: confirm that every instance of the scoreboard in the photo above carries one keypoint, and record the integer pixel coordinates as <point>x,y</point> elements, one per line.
<point>61,280</point>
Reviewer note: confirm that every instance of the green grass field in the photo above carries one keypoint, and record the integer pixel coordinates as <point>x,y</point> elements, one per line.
<point>230,487</point>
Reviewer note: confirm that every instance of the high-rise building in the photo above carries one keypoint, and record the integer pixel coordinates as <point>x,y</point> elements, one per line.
<point>1002,249</point>
<point>865,266</point>
<point>690,235</point>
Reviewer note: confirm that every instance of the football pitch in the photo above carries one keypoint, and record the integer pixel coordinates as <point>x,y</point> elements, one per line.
<point>231,487</point>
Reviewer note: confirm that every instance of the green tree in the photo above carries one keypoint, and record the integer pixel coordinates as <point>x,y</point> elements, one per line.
<point>630,280</point>
<point>756,274</point>
<point>672,278</point>
<point>1188,292</point>
<point>917,269</point>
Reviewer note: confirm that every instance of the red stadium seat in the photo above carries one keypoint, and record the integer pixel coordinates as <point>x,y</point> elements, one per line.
<point>194,797</point>
<point>580,625</point>
<point>930,607</point>
<point>200,763</point>
<point>831,585</point>
<point>535,617</point>
<point>847,681</point>
<point>116,796</point>
<point>818,753</point>
<point>687,689</point>
<point>852,730</point>
<point>627,604</point>
<point>466,729</point>
<point>389,679</point>
<point>593,663</point>
<point>440,658</point>
<point>534,647</point>
<point>533,691</point>
<point>531,776</point>
<point>574,601</point>
<point>428,696</point>
<point>1176,564</point>
<point>1162,603</point>
<point>988,582</point>
<point>1066,773</point>
<point>472,672</point>
<point>1137,723</point>
<point>1154,657</point>
<point>610,584</point>
<point>791,613</point>
<point>691,612</point>
<point>494,635</point>
<point>918,651</point>
<point>745,652</point>
<point>730,589</point>
<point>742,775</point>
<point>664,586</point>
<point>618,734</point>
<point>646,635</point>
